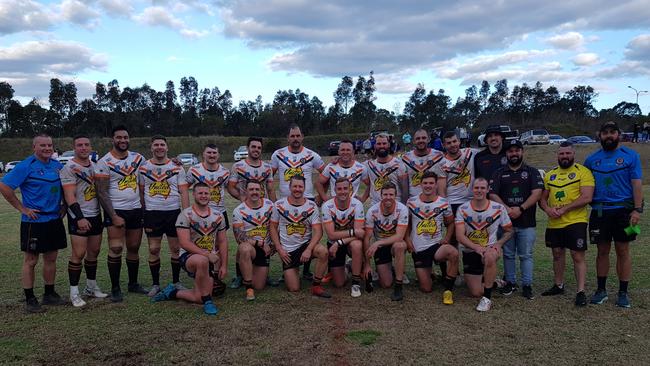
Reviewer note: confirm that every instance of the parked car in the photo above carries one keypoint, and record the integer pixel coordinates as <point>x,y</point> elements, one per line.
<point>333,148</point>
<point>65,157</point>
<point>2,166</point>
<point>510,134</point>
<point>10,166</point>
<point>240,154</point>
<point>188,159</point>
<point>627,136</point>
<point>581,140</point>
<point>555,139</point>
<point>535,137</point>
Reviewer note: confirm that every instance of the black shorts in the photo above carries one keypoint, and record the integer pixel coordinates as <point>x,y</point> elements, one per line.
<point>42,237</point>
<point>182,260</point>
<point>261,259</point>
<point>157,223</point>
<point>339,259</point>
<point>473,264</point>
<point>132,218</point>
<point>295,258</point>
<point>383,255</point>
<point>96,226</point>
<point>426,258</point>
<point>572,237</point>
<point>610,226</point>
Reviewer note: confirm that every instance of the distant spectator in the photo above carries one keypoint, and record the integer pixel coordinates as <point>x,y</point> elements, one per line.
<point>637,129</point>
<point>406,139</point>
<point>646,131</point>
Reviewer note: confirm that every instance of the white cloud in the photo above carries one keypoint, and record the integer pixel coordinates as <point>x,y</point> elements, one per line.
<point>23,15</point>
<point>116,8</point>
<point>79,13</point>
<point>163,17</point>
<point>567,41</point>
<point>456,69</point>
<point>586,59</point>
<point>639,48</point>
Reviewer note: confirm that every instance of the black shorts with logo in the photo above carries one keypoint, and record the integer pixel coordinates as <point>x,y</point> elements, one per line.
<point>182,261</point>
<point>157,223</point>
<point>339,258</point>
<point>96,226</point>
<point>425,258</point>
<point>572,237</point>
<point>132,218</point>
<point>610,226</point>
<point>295,258</point>
<point>473,264</point>
<point>383,255</point>
<point>42,237</point>
<point>261,259</point>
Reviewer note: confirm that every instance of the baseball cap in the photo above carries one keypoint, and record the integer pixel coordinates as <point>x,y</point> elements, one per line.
<point>516,143</point>
<point>609,125</point>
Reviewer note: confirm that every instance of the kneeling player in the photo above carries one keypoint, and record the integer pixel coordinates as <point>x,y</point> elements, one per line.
<point>343,222</point>
<point>296,231</point>
<point>204,248</point>
<point>477,222</point>
<point>251,221</point>
<point>429,213</point>
<point>386,222</point>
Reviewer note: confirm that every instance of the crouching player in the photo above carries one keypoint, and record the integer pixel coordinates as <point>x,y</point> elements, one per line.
<point>343,220</point>
<point>477,222</point>
<point>429,213</point>
<point>203,249</point>
<point>251,221</point>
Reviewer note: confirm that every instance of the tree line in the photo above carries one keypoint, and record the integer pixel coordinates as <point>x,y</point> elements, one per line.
<point>193,111</point>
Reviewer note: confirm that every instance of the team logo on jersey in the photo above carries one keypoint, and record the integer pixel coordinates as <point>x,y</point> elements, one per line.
<point>205,242</point>
<point>504,160</point>
<point>572,175</point>
<point>128,182</point>
<point>580,243</point>
<point>463,178</point>
<point>559,195</point>
<point>479,237</point>
<point>597,163</point>
<point>380,182</point>
<point>90,193</point>
<point>524,175</point>
<point>215,194</point>
<point>552,178</point>
<point>427,227</point>
<point>417,179</point>
<point>489,220</point>
<point>619,161</point>
<point>296,228</point>
<point>292,172</point>
<point>259,232</point>
<point>159,189</point>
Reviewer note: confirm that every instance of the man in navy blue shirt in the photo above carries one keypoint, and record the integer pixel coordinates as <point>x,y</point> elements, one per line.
<point>41,226</point>
<point>617,204</point>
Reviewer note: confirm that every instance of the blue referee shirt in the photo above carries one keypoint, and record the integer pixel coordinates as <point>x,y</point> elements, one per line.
<point>613,172</point>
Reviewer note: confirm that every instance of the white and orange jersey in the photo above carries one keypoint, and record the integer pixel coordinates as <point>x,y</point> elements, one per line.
<point>203,229</point>
<point>254,221</point>
<point>123,179</point>
<point>356,173</point>
<point>242,172</point>
<point>481,226</point>
<point>427,221</point>
<point>460,176</point>
<point>342,217</point>
<point>416,165</point>
<point>215,179</point>
<point>83,179</point>
<point>381,173</point>
<point>384,226</point>
<point>295,223</point>
<point>161,184</point>
<point>288,164</point>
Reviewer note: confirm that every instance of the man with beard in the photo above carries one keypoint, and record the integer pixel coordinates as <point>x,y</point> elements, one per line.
<point>385,168</point>
<point>518,187</point>
<point>117,189</point>
<point>253,168</point>
<point>344,167</point>
<point>493,156</point>
<point>568,189</point>
<point>419,160</point>
<point>457,169</point>
<point>617,204</point>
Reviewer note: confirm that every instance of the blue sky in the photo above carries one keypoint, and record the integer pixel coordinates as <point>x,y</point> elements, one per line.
<point>253,47</point>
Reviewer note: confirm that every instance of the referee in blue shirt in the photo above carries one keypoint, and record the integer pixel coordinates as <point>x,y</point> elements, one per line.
<point>41,227</point>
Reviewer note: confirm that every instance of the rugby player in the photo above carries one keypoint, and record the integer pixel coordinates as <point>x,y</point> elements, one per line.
<point>477,222</point>
<point>203,251</point>
<point>251,221</point>
<point>429,214</point>
<point>568,189</point>
<point>41,224</point>
<point>163,191</point>
<point>252,168</point>
<point>419,160</point>
<point>617,204</point>
<point>386,168</point>
<point>345,166</point>
<point>84,220</point>
<point>296,231</point>
<point>116,179</point>
<point>343,220</point>
<point>386,224</point>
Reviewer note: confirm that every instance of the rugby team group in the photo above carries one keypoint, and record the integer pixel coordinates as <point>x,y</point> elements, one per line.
<point>442,208</point>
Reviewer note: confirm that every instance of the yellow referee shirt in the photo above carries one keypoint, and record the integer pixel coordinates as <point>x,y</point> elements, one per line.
<point>564,187</point>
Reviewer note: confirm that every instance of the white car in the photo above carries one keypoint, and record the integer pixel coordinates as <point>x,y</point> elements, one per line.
<point>188,159</point>
<point>10,166</point>
<point>555,139</point>
<point>66,157</point>
<point>535,137</point>
<point>241,153</point>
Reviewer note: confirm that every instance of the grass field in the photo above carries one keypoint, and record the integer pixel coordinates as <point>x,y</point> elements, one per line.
<point>283,328</point>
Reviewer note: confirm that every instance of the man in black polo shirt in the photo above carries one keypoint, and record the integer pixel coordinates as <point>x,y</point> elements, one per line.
<point>493,156</point>
<point>518,187</point>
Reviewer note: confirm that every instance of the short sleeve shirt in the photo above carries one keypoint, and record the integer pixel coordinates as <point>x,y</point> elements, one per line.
<point>613,172</point>
<point>416,165</point>
<point>486,163</point>
<point>161,183</point>
<point>384,226</point>
<point>356,173</point>
<point>427,221</point>
<point>203,229</point>
<point>288,164</point>
<point>123,179</point>
<point>381,173</point>
<point>343,217</point>
<point>481,226</point>
<point>215,179</point>
<point>254,221</point>
<point>242,172</point>
<point>514,187</point>
<point>82,178</point>
<point>295,223</point>
<point>564,187</point>
<point>460,176</point>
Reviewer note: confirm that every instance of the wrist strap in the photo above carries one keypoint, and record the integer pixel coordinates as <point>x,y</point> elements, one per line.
<point>75,211</point>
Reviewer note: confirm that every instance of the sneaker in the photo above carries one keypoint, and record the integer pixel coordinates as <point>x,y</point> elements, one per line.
<point>236,282</point>
<point>164,294</point>
<point>508,289</point>
<point>369,285</point>
<point>308,276</point>
<point>271,282</point>
<point>405,280</point>
<point>623,301</point>
<point>179,286</point>
<point>136,288</point>
<point>53,299</point>
<point>77,301</point>
<point>319,291</point>
<point>527,292</point>
<point>555,290</point>
<point>581,299</point>
<point>599,297</point>
<point>499,282</point>
<point>32,306</point>
<point>484,305</point>
<point>355,290</point>
<point>397,295</point>
<point>250,294</point>
<point>94,292</point>
<point>448,297</point>
<point>116,295</point>
<point>155,289</point>
<point>209,308</point>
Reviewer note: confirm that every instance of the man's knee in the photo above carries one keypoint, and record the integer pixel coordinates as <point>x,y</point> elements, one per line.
<point>245,251</point>
<point>399,247</point>
<point>30,260</point>
<point>356,246</point>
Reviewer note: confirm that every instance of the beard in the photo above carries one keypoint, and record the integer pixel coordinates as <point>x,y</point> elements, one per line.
<point>118,148</point>
<point>514,160</point>
<point>609,144</point>
<point>382,153</point>
<point>565,163</point>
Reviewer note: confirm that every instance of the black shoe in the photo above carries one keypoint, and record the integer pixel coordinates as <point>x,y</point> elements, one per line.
<point>555,290</point>
<point>32,306</point>
<point>53,299</point>
<point>527,292</point>
<point>581,299</point>
<point>369,286</point>
<point>397,294</point>
<point>137,289</point>
<point>116,295</point>
<point>508,289</point>
<point>308,276</point>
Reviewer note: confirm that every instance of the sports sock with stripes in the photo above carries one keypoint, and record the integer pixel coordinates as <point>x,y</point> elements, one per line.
<point>91,269</point>
<point>74,273</point>
<point>449,282</point>
<point>487,292</point>
<point>114,268</point>
<point>154,267</point>
<point>132,267</point>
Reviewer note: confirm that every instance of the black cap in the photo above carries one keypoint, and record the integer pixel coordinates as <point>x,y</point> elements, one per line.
<point>494,129</point>
<point>516,143</point>
<point>609,125</point>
